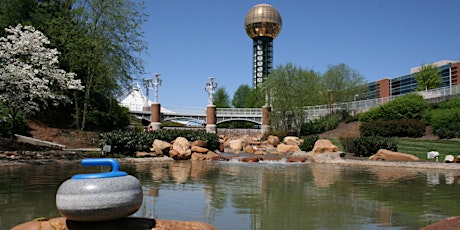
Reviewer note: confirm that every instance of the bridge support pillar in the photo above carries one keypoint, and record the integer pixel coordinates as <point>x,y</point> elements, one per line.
<point>211,119</point>
<point>155,116</point>
<point>265,129</point>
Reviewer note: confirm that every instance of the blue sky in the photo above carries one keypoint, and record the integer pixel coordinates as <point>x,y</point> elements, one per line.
<point>190,41</point>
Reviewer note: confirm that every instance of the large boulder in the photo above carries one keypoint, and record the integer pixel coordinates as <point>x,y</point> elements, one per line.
<point>273,140</point>
<point>291,140</point>
<point>388,155</point>
<point>322,146</point>
<point>198,149</point>
<point>180,149</point>
<point>236,146</point>
<point>199,143</point>
<point>160,147</point>
<point>284,148</point>
<point>198,157</point>
<point>328,157</point>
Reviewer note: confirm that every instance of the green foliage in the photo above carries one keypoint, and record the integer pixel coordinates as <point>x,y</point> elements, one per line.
<point>341,84</point>
<point>241,97</point>
<point>221,98</point>
<point>319,125</point>
<point>449,104</point>
<point>346,140</point>
<point>6,126</point>
<point>171,124</point>
<point>308,142</point>
<point>290,89</point>
<point>128,142</point>
<point>118,118</point>
<point>281,134</point>
<point>445,122</point>
<point>429,77</point>
<point>236,125</point>
<point>411,106</point>
<point>393,128</point>
<point>369,145</point>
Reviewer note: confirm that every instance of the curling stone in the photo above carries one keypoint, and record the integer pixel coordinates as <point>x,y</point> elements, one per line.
<point>99,196</point>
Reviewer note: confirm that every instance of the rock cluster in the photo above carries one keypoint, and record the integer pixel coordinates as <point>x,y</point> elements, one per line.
<point>42,155</point>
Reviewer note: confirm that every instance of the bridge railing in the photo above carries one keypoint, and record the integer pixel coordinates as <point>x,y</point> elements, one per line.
<point>195,111</point>
<point>435,95</point>
<point>253,112</point>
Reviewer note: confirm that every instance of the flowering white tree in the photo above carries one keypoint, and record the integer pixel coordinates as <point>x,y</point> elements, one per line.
<point>29,75</point>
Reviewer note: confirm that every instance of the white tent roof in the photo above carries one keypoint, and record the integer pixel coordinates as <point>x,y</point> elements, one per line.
<point>136,100</point>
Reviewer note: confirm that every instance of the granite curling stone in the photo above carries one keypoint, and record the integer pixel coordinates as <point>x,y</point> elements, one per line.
<point>99,196</point>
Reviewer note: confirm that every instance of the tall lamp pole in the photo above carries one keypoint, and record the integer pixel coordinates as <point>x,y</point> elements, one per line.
<point>155,85</point>
<point>210,87</point>
<point>211,116</point>
<point>155,107</point>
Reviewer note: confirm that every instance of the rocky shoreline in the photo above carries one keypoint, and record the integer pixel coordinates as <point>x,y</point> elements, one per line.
<point>74,156</point>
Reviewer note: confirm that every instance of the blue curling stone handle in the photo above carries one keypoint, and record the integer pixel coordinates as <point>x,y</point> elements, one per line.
<point>101,162</point>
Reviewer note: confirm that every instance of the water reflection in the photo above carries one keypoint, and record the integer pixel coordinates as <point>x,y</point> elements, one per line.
<point>233,195</point>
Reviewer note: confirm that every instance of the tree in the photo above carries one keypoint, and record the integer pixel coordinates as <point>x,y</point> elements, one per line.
<point>114,37</point>
<point>245,97</point>
<point>13,12</point>
<point>429,77</point>
<point>240,97</point>
<point>29,75</point>
<point>341,84</point>
<point>291,89</point>
<point>221,98</point>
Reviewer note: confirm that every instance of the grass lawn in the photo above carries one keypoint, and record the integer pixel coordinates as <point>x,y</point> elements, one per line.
<point>420,148</point>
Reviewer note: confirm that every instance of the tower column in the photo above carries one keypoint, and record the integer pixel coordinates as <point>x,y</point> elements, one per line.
<point>211,119</point>
<point>155,116</point>
<point>265,129</point>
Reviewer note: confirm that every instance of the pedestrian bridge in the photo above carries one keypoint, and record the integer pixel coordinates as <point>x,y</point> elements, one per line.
<point>197,116</point>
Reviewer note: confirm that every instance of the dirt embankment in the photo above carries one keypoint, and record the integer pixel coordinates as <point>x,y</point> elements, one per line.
<point>82,139</point>
<point>71,138</point>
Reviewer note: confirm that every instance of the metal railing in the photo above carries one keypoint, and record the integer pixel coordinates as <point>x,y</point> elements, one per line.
<point>434,95</point>
<point>253,112</point>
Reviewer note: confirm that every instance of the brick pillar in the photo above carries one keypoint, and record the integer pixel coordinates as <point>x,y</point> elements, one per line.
<point>211,119</point>
<point>155,116</point>
<point>265,129</point>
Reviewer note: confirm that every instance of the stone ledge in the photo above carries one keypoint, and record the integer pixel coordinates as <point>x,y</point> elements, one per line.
<point>37,142</point>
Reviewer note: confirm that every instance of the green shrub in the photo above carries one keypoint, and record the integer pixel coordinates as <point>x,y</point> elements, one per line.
<point>367,146</point>
<point>449,104</point>
<point>393,128</point>
<point>445,122</point>
<point>128,142</point>
<point>410,106</point>
<point>308,142</point>
<point>319,125</point>
<point>346,140</point>
<point>20,126</point>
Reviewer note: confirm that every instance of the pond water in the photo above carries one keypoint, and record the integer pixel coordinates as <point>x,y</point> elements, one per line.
<point>232,195</point>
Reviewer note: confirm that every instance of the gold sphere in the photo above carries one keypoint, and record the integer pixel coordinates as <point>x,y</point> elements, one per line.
<point>263,20</point>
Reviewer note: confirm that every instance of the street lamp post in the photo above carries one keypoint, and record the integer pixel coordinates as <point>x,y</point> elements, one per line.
<point>155,107</point>
<point>155,85</point>
<point>210,87</point>
<point>211,116</point>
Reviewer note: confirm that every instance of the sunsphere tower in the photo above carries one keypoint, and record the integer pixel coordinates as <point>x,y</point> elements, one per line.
<point>262,24</point>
